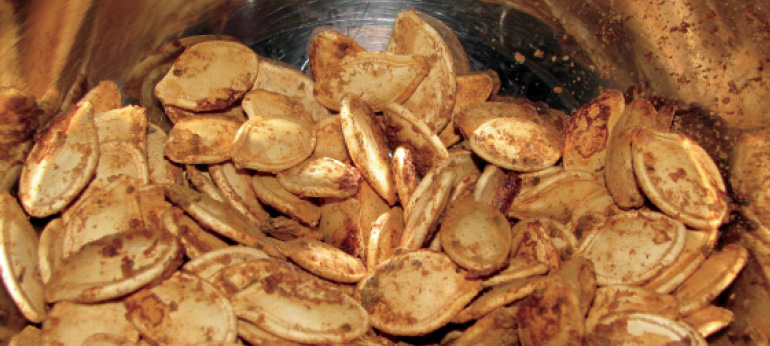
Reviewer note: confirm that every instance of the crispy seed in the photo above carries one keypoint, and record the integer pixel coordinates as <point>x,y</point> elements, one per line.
<point>404,174</point>
<point>61,163</point>
<point>235,185</point>
<point>402,128</point>
<point>11,165</point>
<point>592,210</point>
<point>499,296</point>
<point>367,146</point>
<point>325,260</point>
<point>283,79</point>
<point>415,293</point>
<point>619,170</point>
<point>688,262</point>
<point>587,132</point>
<point>161,55</point>
<point>269,191</point>
<point>155,111</point>
<point>50,248</point>
<point>497,188</point>
<point>340,225</point>
<point>256,336</point>
<point>434,98</point>
<point>175,114</point>
<point>711,278</point>
<point>284,228</point>
<point>552,317</point>
<point>71,323</point>
<point>384,237</point>
<point>553,196</point>
<point>518,268</point>
<point>195,241</point>
<point>680,178</point>
<point>120,158</point>
<point>204,139</point>
<point>471,89</point>
<point>209,76</point>
<point>109,210</point>
<point>496,328</point>
<point>221,218</point>
<point>123,124</point>
<point>327,48</point>
<point>29,336</point>
<point>709,320</point>
<point>273,143</point>
<point>329,140</point>
<point>634,246</point>
<point>114,266</point>
<point>423,211</point>
<point>379,78</point>
<point>323,177</point>
<point>627,299</point>
<point>625,328</point>
<point>161,170</point>
<point>182,309</point>
<point>263,102</point>
<point>201,179</point>
<point>18,260</point>
<point>105,96</point>
<point>459,57</point>
<point>476,236</point>
<point>207,265</point>
<point>531,240</point>
<point>327,316</point>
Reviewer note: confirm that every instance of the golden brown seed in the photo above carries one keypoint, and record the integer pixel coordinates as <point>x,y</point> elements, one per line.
<point>378,78</point>
<point>415,293</point>
<point>204,139</point>
<point>271,192</point>
<point>402,128</point>
<point>263,102</point>
<point>61,163</point>
<point>325,260</point>
<point>327,49</point>
<point>323,177</point>
<point>434,98</point>
<point>587,132</point>
<point>277,77</point>
<point>209,76</point>
<point>273,143</point>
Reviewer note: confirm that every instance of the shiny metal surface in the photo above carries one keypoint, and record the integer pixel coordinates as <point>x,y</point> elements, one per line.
<point>494,36</point>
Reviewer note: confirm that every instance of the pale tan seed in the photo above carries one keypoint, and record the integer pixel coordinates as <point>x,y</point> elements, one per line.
<point>204,139</point>
<point>280,78</point>
<point>323,177</point>
<point>123,124</point>
<point>269,191</point>
<point>325,260</point>
<point>588,131</point>
<point>327,48</point>
<point>711,278</point>
<point>207,265</point>
<point>61,163</point>
<point>19,261</point>
<point>263,102</point>
<point>72,323</point>
<point>235,185</point>
<point>403,128</point>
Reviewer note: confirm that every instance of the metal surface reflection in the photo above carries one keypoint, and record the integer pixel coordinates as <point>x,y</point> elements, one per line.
<point>525,52</point>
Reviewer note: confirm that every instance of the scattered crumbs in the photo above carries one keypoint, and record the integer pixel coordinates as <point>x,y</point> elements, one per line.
<point>520,58</point>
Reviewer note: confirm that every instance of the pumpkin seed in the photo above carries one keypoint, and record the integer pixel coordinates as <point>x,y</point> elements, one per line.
<point>402,128</point>
<point>105,96</point>
<point>434,98</point>
<point>423,211</point>
<point>713,276</point>
<point>207,265</point>
<point>114,265</point>
<point>263,102</point>
<point>182,309</point>
<point>709,320</point>
<point>71,323</point>
<point>404,174</point>
<point>209,76</point>
<point>628,299</point>
<point>324,177</point>
<point>415,293</point>
<point>273,143</point>
<point>496,328</point>
<point>476,236</point>
<point>518,268</point>
<point>204,139</point>
<point>195,241</point>
<point>551,316</point>
<point>50,248</point>
<point>553,196</point>
<point>472,88</point>
<point>328,316</point>
<point>61,163</point>
<point>283,79</point>
<point>627,328</point>
<point>221,218</point>
<point>235,185</point>
<point>161,170</point>
<point>366,144</point>
<point>686,264</point>
<point>385,237</point>
<point>120,157</point>
<point>497,188</point>
<point>378,78</point>
<point>531,240</point>
<point>271,192</point>
<point>634,246</point>
<point>29,336</point>
<point>123,124</point>
<point>329,140</point>
<point>325,260</point>
<point>679,178</point>
<point>19,261</point>
<point>587,132</point>
<point>326,49</point>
